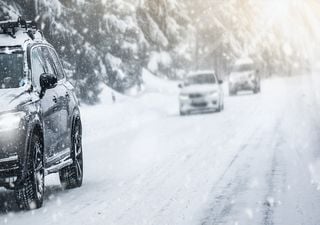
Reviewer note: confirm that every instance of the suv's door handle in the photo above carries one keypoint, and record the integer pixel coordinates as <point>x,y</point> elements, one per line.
<point>55,100</point>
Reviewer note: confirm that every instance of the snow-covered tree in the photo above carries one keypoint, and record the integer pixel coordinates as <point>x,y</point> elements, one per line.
<point>110,41</point>
<point>166,27</point>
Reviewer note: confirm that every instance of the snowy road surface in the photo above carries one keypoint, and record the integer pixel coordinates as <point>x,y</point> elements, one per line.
<point>258,162</point>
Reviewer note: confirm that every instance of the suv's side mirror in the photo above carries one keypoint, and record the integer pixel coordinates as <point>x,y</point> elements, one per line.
<point>48,81</point>
<point>180,85</point>
<point>220,81</point>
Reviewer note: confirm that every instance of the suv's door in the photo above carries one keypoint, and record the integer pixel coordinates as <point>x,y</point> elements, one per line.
<point>63,146</point>
<point>48,103</point>
<point>65,97</point>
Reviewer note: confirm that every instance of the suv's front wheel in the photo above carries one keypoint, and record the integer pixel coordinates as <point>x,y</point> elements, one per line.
<point>29,194</point>
<point>72,176</point>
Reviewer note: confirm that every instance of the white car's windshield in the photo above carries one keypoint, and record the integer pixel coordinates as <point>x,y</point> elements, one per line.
<point>201,79</point>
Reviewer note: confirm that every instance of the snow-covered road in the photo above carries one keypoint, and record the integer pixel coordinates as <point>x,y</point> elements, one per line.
<point>258,162</point>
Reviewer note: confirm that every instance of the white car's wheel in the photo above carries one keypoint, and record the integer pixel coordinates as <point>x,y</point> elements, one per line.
<point>183,113</point>
<point>219,107</point>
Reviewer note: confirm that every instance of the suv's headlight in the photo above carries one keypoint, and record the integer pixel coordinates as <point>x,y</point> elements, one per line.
<point>11,121</point>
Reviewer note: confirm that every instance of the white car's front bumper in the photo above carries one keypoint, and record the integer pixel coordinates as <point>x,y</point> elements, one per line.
<point>199,104</point>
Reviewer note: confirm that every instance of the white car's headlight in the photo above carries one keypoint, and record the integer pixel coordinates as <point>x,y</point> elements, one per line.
<point>184,96</point>
<point>213,93</point>
<point>11,121</point>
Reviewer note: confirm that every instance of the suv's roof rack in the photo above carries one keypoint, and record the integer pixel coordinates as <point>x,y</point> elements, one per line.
<point>11,27</point>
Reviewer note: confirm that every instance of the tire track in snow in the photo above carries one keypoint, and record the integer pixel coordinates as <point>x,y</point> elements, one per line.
<point>204,156</point>
<point>225,195</point>
<point>164,172</point>
<point>276,180</point>
<point>223,201</point>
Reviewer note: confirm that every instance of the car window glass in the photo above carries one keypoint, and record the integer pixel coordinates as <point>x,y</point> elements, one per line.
<point>48,61</point>
<point>37,67</point>
<point>57,63</point>
<point>201,79</point>
<point>11,70</point>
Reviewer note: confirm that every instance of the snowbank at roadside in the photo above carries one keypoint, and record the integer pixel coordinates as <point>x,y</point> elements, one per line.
<point>109,96</point>
<point>151,85</point>
<point>155,84</point>
<point>130,112</point>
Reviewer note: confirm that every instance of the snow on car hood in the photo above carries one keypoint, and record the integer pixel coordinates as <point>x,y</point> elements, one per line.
<point>199,89</point>
<point>10,99</point>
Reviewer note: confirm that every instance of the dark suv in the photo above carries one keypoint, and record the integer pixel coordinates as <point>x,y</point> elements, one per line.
<point>40,124</point>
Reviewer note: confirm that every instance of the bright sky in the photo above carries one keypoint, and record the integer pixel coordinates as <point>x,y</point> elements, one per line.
<point>285,26</point>
<point>297,22</point>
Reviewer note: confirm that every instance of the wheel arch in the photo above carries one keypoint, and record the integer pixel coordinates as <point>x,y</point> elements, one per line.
<point>75,116</point>
<point>35,127</point>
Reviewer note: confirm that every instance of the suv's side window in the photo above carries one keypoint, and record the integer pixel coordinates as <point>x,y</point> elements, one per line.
<point>37,67</point>
<point>48,61</point>
<point>57,63</point>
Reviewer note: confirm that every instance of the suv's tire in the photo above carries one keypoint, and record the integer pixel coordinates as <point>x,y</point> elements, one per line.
<point>72,176</point>
<point>29,194</point>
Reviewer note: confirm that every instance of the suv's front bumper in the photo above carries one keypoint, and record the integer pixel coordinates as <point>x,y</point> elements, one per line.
<point>244,85</point>
<point>12,156</point>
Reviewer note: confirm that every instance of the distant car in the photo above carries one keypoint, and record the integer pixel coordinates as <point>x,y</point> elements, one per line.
<point>244,77</point>
<point>40,124</point>
<point>201,92</point>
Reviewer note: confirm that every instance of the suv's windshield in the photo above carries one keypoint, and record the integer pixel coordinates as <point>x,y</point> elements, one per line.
<point>243,68</point>
<point>201,79</point>
<point>11,70</point>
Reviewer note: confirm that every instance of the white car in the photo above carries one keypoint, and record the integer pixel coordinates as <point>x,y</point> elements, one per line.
<point>201,92</point>
<point>244,77</point>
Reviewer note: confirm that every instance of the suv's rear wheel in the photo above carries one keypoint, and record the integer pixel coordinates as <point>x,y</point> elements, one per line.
<point>72,176</point>
<point>29,194</point>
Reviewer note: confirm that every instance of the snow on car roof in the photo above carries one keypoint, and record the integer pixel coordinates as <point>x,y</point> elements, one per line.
<point>244,61</point>
<point>200,72</point>
<point>21,38</point>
